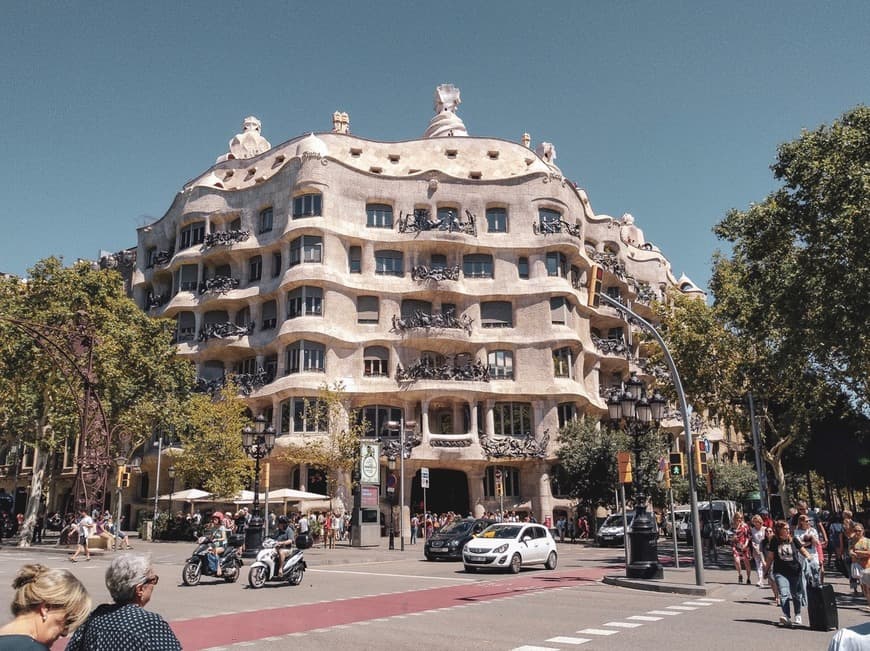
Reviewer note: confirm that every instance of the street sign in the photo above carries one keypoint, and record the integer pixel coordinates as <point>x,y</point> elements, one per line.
<point>391,483</point>
<point>424,478</point>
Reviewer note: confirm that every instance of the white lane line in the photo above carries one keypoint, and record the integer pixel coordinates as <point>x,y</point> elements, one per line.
<point>597,631</point>
<point>663,612</point>
<point>681,607</point>
<point>710,599</point>
<point>623,624</point>
<point>697,603</point>
<point>564,639</point>
<point>534,648</point>
<point>645,618</point>
<point>402,576</point>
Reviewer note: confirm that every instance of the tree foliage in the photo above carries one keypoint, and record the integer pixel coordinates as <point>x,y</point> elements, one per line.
<point>212,457</point>
<point>139,379</point>
<point>733,481</point>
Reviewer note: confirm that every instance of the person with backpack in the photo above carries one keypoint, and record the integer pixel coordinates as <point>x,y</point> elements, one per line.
<point>783,559</point>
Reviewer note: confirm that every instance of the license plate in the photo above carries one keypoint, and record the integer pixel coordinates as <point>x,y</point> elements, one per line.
<point>438,550</point>
<point>476,559</point>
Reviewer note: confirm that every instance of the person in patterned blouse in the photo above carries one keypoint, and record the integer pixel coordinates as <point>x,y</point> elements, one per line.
<point>126,624</point>
<point>740,539</point>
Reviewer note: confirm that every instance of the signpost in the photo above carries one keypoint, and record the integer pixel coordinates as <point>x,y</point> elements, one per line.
<point>424,484</point>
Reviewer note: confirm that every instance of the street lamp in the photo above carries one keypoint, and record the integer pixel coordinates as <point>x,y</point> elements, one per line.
<point>391,491</point>
<point>121,462</point>
<point>393,426</point>
<point>639,416</point>
<point>171,473</point>
<point>258,442</point>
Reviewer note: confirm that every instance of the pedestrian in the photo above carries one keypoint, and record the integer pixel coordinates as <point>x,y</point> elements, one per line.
<point>859,554</point>
<point>85,527</point>
<point>785,569</point>
<point>740,547</point>
<point>758,542</point>
<point>415,524</point>
<point>47,603</point>
<point>125,624</point>
<point>809,537</point>
<point>572,529</point>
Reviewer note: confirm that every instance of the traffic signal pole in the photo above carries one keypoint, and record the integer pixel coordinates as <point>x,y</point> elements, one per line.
<point>687,431</point>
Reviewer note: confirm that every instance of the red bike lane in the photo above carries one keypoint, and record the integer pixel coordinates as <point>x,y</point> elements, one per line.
<point>223,630</point>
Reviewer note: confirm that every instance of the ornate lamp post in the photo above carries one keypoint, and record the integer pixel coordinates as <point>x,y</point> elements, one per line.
<point>393,426</point>
<point>391,491</point>
<point>639,416</point>
<point>121,462</point>
<point>171,474</point>
<point>258,442</point>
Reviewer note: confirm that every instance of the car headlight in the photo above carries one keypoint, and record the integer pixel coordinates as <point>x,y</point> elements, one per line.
<point>500,549</point>
<point>454,543</point>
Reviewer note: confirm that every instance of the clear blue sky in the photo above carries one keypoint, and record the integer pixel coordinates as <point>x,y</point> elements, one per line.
<point>671,111</point>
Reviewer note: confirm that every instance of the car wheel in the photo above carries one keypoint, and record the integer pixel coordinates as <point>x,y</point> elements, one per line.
<point>551,561</point>
<point>470,570</point>
<point>516,564</point>
<point>191,573</point>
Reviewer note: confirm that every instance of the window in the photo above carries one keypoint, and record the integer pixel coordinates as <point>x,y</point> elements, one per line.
<point>376,418</point>
<point>307,205</point>
<point>379,215</point>
<point>410,306</point>
<point>303,416</point>
<point>616,333</point>
<point>448,218</point>
<point>496,314</point>
<point>513,419</point>
<point>367,309</point>
<point>265,223</point>
<point>270,314</point>
<point>214,317</point>
<point>559,310</point>
<point>354,260</point>
<point>270,365</point>
<point>235,225</point>
<point>276,264</point>
<point>243,316</point>
<point>246,366</point>
<point>192,234</point>
<point>304,355</point>
<point>389,263</point>
<point>189,278</point>
<point>150,254</point>
<point>308,248</point>
<point>523,268</point>
<point>567,412</point>
<point>477,265</point>
<point>613,292</point>
<point>550,220</point>
<point>510,478</point>
<point>305,301</point>
<point>496,220</point>
<point>501,365</point>
<point>186,326</point>
<point>557,264</point>
<point>438,261</point>
<point>562,359</point>
<point>376,361</point>
<point>255,268</point>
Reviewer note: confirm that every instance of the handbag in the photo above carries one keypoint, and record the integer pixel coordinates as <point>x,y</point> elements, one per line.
<point>857,570</point>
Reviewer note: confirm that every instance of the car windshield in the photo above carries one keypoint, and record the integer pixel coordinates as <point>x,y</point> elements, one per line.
<point>457,527</point>
<point>616,520</point>
<point>501,531</point>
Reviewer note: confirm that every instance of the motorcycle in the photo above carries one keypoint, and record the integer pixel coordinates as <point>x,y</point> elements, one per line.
<point>265,567</point>
<point>230,561</point>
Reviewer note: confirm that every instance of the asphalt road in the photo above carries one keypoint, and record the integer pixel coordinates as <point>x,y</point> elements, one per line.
<point>380,599</point>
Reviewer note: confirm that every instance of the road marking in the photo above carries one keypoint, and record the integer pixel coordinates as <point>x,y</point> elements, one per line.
<point>682,607</point>
<point>564,639</point>
<point>663,612</point>
<point>597,631</point>
<point>401,576</point>
<point>534,648</point>
<point>710,599</point>
<point>697,603</point>
<point>623,624</point>
<point>645,618</point>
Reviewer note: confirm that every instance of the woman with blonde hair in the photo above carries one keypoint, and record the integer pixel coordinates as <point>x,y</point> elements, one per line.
<point>47,603</point>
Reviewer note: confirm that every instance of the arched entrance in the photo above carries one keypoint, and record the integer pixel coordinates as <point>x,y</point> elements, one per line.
<point>448,491</point>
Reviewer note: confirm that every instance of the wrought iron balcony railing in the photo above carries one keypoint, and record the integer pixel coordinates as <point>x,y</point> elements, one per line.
<point>224,238</point>
<point>218,285</point>
<point>421,220</point>
<point>420,319</point>
<point>224,330</point>
<point>425,272</point>
<point>424,369</point>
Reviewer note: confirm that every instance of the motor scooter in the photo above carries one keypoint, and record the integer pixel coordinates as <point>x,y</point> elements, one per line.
<point>230,561</point>
<point>264,568</point>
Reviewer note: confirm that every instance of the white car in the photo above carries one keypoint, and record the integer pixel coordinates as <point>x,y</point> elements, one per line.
<point>510,546</point>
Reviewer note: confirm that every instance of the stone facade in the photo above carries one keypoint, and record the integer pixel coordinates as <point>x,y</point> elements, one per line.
<point>443,279</point>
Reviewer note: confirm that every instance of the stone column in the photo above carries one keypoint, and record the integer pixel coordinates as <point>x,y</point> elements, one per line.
<point>424,422</point>
<point>475,493</point>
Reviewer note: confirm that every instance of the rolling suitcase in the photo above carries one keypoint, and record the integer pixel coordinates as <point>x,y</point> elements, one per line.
<point>822,608</point>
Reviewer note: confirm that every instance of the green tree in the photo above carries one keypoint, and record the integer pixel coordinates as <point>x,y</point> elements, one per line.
<point>733,481</point>
<point>140,381</point>
<point>336,449</point>
<point>212,457</point>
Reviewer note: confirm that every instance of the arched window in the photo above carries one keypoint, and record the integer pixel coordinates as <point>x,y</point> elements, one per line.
<point>509,477</point>
<point>307,205</point>
<point>513,419</point>
<point>501,365</point>
<point>376,361</point>
<point>305,355</point>
<point>305,301</point>
<point>379,215</point>
<point>477,265</point>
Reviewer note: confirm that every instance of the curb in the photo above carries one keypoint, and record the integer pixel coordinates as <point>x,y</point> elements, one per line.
<point>657,586</point>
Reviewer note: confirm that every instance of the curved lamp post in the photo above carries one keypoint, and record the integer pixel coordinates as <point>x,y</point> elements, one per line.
<point>258,442</point>
<point>639,416</point>
<point>171,473</point>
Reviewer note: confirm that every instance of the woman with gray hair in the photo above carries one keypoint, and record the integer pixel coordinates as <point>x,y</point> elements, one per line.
<point>126,624</point>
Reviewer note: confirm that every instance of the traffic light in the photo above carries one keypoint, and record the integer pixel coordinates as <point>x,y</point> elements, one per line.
<point>677,467</point>
<point>596,273</point>
<point>701,458</point>
<point>623,466</point>
<point>125,480</point>
<point>120,478</point>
